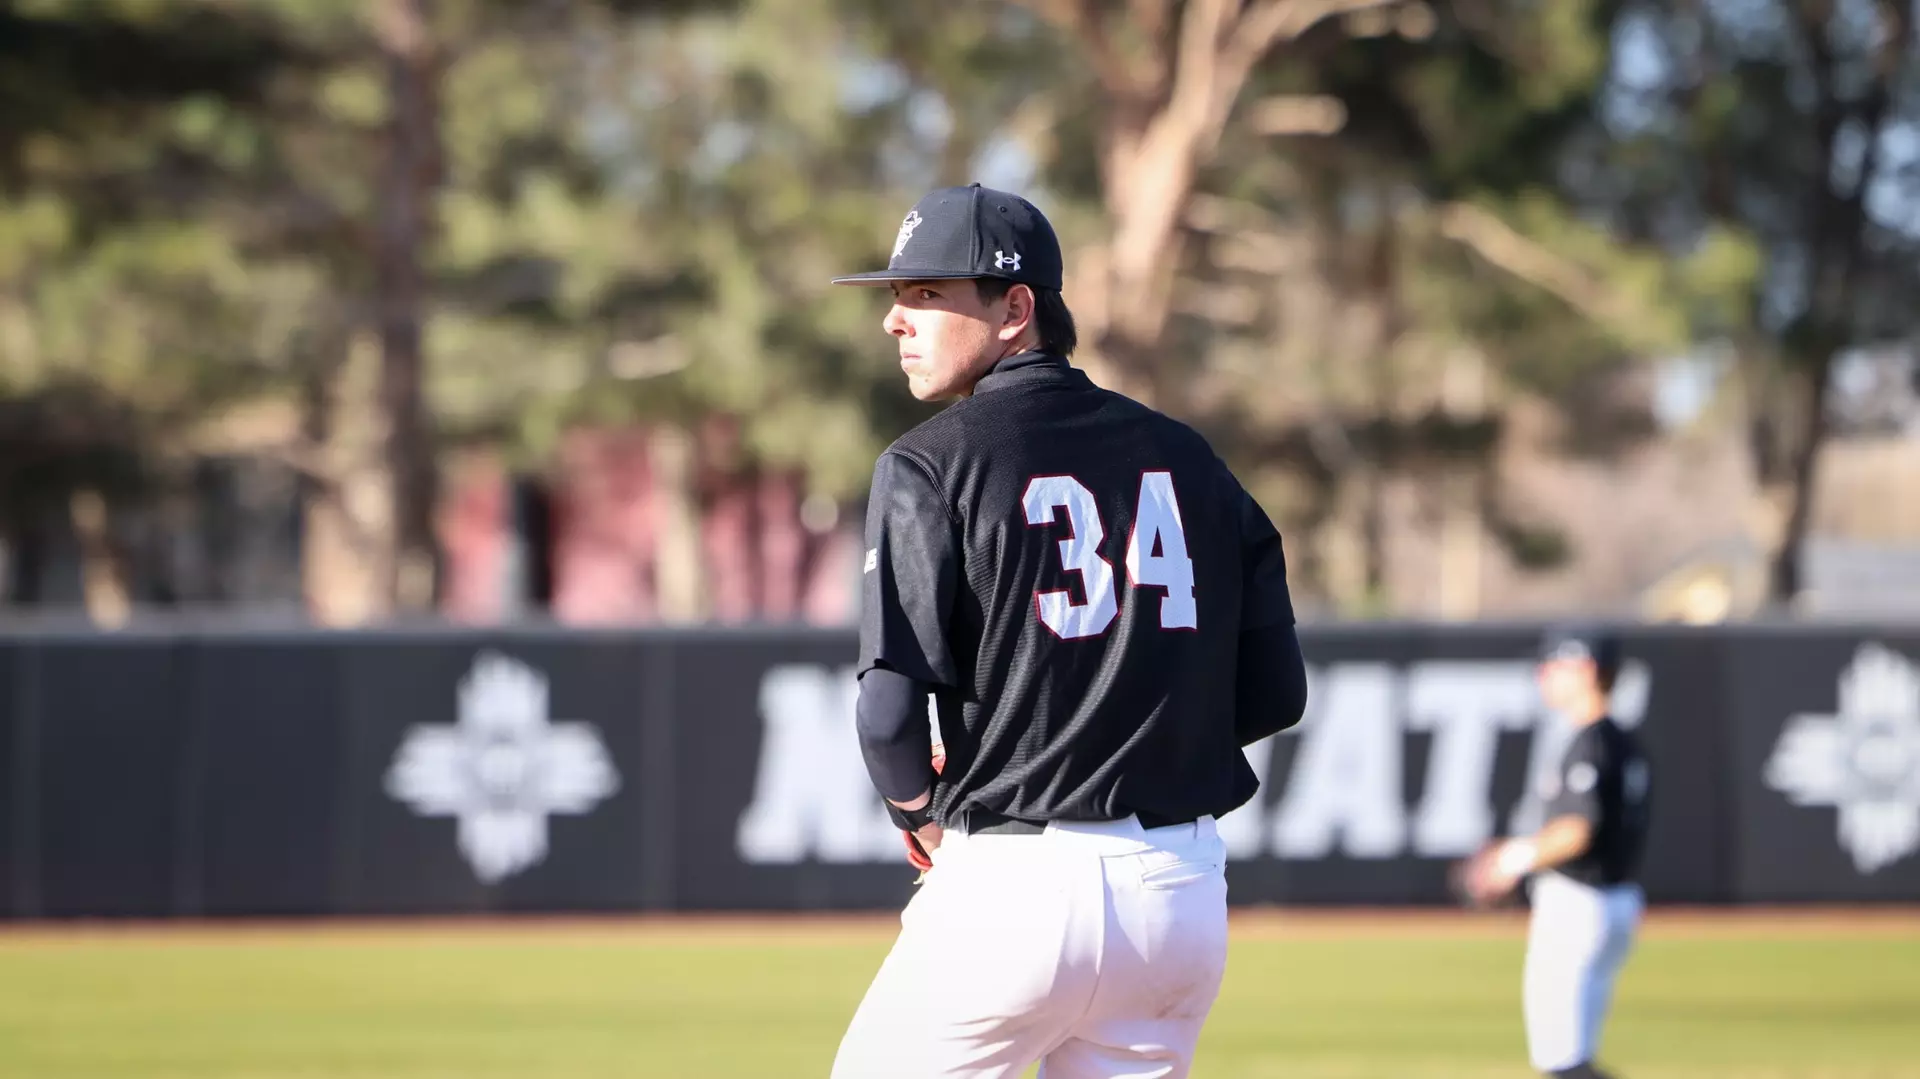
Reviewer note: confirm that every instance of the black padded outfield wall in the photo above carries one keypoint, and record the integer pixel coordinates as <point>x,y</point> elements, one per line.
<point>213,775</point>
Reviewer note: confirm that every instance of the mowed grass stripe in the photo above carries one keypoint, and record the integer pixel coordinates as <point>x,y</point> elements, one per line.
<point>747,999</point>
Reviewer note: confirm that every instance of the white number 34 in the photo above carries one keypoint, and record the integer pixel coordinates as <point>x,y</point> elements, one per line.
<point>1156,527</point>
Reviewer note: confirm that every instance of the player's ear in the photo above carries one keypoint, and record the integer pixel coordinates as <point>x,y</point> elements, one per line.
<point>1021,311</point>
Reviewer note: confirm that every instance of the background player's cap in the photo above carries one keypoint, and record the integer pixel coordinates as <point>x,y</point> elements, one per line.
<point>971,231</point>
<point>1583,642</point>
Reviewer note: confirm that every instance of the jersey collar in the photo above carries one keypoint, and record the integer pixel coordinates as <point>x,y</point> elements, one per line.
<point>1024,368</point>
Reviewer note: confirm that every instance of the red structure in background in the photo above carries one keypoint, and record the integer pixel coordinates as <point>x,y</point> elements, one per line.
<point>606,529</point>
<point>760,561</point>
<point>476,537</point>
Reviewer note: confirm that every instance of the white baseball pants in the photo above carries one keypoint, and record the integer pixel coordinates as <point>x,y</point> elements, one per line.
<point>1577,940</point>
<point>1095,949</point>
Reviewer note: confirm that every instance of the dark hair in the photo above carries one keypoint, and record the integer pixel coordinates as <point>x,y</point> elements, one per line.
<point>1050,315</point>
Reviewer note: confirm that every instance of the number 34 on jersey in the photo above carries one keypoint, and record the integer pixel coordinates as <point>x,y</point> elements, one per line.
<point>1156,555</point>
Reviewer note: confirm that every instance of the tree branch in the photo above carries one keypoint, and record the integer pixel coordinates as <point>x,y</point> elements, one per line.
<point>1196,81</point>
<point>1151,73</point>
<point>1151,17</point>
<point>1520,256</point>
<point>1075,19</point>
<point>1298,114</point>
<point>1283,20</point>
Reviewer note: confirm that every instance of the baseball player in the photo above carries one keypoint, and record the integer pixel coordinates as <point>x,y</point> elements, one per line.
<point>1583,861</point>
<point>1101,614</point>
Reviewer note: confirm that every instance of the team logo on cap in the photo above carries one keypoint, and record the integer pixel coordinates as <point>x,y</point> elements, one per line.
<point>907,226</point>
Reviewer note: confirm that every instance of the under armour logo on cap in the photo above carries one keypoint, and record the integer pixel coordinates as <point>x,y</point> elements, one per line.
<point>971,231</point>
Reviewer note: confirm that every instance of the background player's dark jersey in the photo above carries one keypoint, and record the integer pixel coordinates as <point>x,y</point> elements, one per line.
<point>1605,779</point>
<point>1072,571</point>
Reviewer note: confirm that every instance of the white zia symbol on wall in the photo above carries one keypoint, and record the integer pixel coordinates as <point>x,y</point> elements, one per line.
<point>502,768</point>
<point>1865,761</point>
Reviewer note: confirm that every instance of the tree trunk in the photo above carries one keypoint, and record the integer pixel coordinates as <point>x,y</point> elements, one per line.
<point>21,576</point>
<point>103,564</point>
<point>347,540</point>
<point>1836,224</point>
<point>679,569</point>
<point>1463,397</point>
<point>404,226</point>
<point>1785,579</point>
<point>1460,546</point>
<point>1373,538</point>
<point>1163,121</point>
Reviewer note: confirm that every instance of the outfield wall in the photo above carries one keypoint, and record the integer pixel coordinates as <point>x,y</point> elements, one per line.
<point>225,774</point>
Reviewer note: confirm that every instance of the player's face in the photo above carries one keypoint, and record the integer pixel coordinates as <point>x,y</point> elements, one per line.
<point>1566,684</point>
<point>948,336</point>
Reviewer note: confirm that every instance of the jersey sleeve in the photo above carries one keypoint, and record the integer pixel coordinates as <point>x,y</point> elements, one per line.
<point>1576,792</point>
<point>910,575</point>
<point>1265,601</point>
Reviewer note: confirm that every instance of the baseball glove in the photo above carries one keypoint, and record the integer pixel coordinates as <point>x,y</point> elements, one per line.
<point>916,854</point>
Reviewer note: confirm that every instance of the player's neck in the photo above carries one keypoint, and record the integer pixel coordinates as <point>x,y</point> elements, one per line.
<point>1027,343</point>
<point>1589,712</point>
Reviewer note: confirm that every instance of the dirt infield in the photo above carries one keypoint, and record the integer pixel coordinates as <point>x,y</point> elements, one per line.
<point>1276,923</point>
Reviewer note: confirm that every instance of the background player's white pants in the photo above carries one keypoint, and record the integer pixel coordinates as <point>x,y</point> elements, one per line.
<point>1577,940</point>
<point>1097,949</point>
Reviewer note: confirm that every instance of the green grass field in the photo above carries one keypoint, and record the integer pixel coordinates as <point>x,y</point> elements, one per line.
<point>1304,998</point>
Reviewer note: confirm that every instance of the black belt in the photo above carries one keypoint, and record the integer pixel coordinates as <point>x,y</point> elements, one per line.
<point>987,822</point>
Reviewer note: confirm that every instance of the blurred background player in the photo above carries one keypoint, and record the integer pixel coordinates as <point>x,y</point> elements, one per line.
<point>1583,860</point>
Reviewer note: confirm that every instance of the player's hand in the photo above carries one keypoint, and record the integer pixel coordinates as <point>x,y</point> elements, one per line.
<point>918,856</point>
<point>929,837</point>
<point>1480,880</point>
<point>922,844</point>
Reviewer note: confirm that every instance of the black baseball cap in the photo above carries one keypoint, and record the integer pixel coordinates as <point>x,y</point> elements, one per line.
<point>1592,643</point>
<point>971,231</point>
